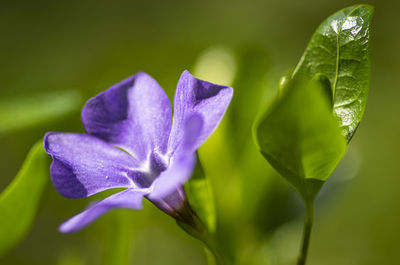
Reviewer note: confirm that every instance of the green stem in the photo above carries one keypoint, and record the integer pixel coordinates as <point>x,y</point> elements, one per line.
<point>210,243</point>
<point>308,223</point>
<point>199,231</point>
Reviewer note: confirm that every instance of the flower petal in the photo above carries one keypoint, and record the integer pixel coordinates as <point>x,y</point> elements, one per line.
<point>197,96</point>
<point>175,176</point>
<point>84,165</point>
<point>182,162</point>
<point>134,115</point>
<point>129,199</point>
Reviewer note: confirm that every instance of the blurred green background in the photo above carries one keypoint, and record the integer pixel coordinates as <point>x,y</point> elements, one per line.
<point>87,46</point>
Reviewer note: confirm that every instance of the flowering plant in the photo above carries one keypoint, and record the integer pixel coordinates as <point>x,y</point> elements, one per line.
<point>132,144</point>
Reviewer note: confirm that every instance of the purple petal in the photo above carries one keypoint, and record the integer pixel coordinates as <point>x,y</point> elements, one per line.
<point>84,165</point>
<point>197,96</point>
<point>175,176</point>
<point>129,199</point>
<point>134,115</point>
<point>182,162</point>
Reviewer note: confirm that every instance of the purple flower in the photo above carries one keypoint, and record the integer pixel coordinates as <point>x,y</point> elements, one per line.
<point>131,143</point>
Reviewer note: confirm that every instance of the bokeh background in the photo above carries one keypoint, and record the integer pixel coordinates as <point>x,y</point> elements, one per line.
<point>57,54</point>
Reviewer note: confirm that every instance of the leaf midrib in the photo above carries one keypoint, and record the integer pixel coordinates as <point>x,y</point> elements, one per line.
<point>338,51</point>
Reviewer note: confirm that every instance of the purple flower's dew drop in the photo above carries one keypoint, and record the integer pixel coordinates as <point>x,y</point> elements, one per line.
<point>107,177</point>
<point>216,64</point>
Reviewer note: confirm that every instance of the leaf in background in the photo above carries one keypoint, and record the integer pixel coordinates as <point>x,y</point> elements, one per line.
<point>300,137</point>
<point>26,111</point>
<point>249,85</point>
<point>19,202</point>
<point>339,49</point>
<point>119,230</point>
<point>198,190</point>
<point>216,64</point>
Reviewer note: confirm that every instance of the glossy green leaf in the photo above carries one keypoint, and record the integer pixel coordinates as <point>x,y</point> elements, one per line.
<point>339,50</point>
<point>300,137</point>
<point>25,111</point>
<point>200,196</point>
<point>19,202</point>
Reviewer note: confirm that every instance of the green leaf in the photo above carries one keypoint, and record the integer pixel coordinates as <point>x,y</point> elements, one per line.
<point>119,229</point>
<point>249,91</point>
<point>339,50</point>
<point>19,202</point>
<point>27,111</point>
<point>300,137</point>
<point>200,196</point>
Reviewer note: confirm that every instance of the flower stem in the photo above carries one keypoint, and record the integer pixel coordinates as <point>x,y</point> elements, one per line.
<point>200,232</point>
<point>211,245</point>
<point>308,223</point>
